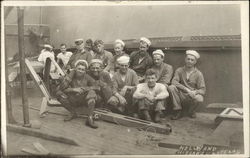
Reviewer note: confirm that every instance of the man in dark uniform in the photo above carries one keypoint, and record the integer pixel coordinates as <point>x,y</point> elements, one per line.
<point>100,53</point>
<point>187,86</point>
<point>140,60</point>
<point>164,71</point>
<point>81,53</point>
<point>102,80</point>
<point>76,90</point>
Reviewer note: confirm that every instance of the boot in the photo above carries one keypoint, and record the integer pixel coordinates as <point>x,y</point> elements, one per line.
<point>90,122</point>
<point>192,110</point>
<point>157,117</point>
<point>177,115</point>
<point>71,116</point>
<point>135,115</point>
<point>146,115</point>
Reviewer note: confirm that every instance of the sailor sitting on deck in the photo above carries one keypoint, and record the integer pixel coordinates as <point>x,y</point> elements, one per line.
<point>76,89</point>
<point>164,72</point>
<point>140,60</point>
<point>188,86</point>
<point>113,66</point>
<point>102,79</point>
<point>124,82</point>
<point>47,52</point>
<point>151,96</point>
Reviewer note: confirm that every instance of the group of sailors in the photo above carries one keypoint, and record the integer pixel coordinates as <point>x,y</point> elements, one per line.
<point>137,85</point>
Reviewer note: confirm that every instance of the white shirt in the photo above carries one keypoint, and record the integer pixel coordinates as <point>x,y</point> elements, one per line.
<point>44,55</point>
<point>64,57</point>
<point>159,91</point>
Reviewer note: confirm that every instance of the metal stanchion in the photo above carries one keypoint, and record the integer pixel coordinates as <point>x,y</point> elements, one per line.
<point>20,21</point>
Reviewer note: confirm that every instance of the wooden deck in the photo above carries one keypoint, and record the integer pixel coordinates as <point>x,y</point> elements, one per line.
<point>109,138</point>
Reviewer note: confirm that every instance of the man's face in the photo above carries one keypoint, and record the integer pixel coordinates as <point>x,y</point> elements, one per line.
<point>80,71</point>
<point>143,46</point>
<point>123,68</point>
<point>95,69</point>
<point>190,61</point>
<point>87,47</point>
<point>118,48</point>
<point>79,45</point>
<point>158,59</point>
<point>63,48</point>
<point>99,48</point>
<point>151,80</point>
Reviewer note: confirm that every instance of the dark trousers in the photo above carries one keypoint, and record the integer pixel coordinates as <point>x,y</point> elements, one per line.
<point>178,98</point>
<point>70,101</point>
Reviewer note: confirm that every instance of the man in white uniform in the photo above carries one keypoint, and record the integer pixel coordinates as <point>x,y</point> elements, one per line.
<point>64,56</point>
<point>47,53</point>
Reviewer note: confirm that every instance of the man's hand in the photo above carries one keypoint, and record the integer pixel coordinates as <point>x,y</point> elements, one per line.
<point>91,102</point>
<point>78,90</point>
<point>122,100</point>
<point>123,90</point>
<point>150,98</point>
<point>113,101</point>
<point>191,93</point>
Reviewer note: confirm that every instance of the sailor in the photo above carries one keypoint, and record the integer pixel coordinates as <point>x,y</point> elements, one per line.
<point>76,89</point>
<point>140,60</point>
<point>113,66</point>
<point>88,46</point>
<point>187,86</point>
<point>151,96</point>
<point>81,53</point>
<point>103,80</point>
<point>164,72</point>
<point>64,56</point>
<point>102,54</point>
<point>124,82</point>
<point>47,52</point>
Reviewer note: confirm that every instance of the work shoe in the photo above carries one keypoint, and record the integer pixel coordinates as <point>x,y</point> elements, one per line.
<point>192,115</point>
<point>70,117</point>
<point>91,123</point>
<point>157,117</point>
<point>177,115</point>
<point>135,115</point>
<point>146,115</point>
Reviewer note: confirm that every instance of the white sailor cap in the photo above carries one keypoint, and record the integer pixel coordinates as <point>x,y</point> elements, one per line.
<point>120,41</point>
<point>145,40</point>
<point>79,41</point>
<point>158,52</point>
<point>194,53</point>
<point>82,61</point>
<point>48,46</point>
<point>123,59</point>
<point>96,61</point>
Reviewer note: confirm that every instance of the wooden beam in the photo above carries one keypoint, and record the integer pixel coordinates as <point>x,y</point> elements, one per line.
<point>133,122</point>
<point>39,134</point>
<point>41,148</point>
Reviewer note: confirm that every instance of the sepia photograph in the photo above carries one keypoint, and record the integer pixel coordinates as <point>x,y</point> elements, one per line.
<point>123,78</point>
